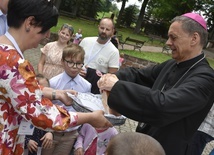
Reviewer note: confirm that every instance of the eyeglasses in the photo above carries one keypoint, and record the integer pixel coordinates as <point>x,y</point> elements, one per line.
<point>68,27</point>
<point>71,64</point>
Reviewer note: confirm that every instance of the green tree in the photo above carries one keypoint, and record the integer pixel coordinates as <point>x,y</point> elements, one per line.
<point>141,17</point>
<point>121,11</point>
<point>166,10</point>
<point>129,15</point>
<point>87,8</point>
<point>105,6</point>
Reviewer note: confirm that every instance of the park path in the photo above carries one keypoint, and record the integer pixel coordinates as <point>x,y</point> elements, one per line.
<point>144,48</point>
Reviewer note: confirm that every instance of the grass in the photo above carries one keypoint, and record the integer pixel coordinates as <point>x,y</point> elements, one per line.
<point>151,56</point>
<point>211,62</point>
<point>156,57</point>
<point>90,29</point>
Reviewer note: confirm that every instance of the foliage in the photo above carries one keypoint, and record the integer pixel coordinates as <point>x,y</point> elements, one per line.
<point>165,10</point>
<point>207,7</point>
<point>66,5</point>
<point>91,7</point>
<point>105,5</point>
<point>141,17</point>
<point>114,9</point>
<point>129,15</point>
<point>155,57</point>
<point>84,7</point>
<point>211,62</point>
<point>151,56</point>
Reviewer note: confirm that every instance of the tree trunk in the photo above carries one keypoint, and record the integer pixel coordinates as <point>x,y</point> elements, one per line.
<point>121,13</point>
<point>211,34</point>
<point>141,16</point>
<point>76,7</point>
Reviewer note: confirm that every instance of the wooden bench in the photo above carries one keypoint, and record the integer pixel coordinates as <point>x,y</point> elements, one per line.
<point>210,44</point>
<point>152,37</point>
<point>67,14</point>
<point>137,44</point>
<point>96,21</point>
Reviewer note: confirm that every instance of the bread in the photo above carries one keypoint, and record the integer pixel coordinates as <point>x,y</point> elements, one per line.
<point>108,110</point>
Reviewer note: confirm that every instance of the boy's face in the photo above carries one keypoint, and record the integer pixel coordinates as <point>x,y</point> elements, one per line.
<point>72,65</point>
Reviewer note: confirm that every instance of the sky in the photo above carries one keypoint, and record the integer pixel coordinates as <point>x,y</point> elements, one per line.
<point>130,2</point>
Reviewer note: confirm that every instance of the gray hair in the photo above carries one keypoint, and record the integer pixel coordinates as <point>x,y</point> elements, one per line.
<point>190,26</point>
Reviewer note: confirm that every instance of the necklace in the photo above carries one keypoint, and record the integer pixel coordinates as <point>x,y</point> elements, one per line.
<point>184,74</point>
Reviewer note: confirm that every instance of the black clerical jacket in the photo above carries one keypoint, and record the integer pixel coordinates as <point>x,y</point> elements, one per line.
<point>172,99</point>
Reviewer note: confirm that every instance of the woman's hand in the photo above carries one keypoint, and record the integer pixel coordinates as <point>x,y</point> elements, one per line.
<point>107,81</point>
<point>47,140</point>
<point>99,120</point>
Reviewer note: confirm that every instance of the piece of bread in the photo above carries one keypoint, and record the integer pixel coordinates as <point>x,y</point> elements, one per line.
<point>108,110</point>
<point>105,95</point>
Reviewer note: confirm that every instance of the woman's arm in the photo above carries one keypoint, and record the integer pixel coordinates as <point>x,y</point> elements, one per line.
<point>41,63</point>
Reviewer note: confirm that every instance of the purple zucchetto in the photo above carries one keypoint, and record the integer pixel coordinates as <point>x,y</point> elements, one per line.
<point>196,17</point>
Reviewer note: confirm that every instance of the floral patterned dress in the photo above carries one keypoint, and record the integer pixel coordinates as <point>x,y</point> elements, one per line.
<point>21,98</point>
<point>53,65</point>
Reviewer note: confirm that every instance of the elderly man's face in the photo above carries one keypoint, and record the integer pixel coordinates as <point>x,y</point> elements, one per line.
<point>179,42</point>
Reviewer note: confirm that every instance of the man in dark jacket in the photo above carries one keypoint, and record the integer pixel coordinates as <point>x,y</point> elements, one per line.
<point>171,98</point>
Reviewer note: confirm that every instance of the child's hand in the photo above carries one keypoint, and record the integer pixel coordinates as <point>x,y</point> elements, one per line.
<point>32,146</point>
<point>83,72</point>
<point>47,140</point>
<point>79,151</point>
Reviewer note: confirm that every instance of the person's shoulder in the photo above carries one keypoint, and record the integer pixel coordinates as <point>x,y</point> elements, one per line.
<point>89,38</point>
<point>50,44</point>
<point>83,80</point>
<point>87,41</point>
<point>113,48</point>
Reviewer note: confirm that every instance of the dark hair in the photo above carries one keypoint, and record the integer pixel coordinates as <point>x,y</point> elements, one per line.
<point>44,12</point>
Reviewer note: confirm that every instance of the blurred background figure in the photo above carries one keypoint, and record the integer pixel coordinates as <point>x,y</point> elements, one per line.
<point>114,39</point>
<point>77,37</point>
